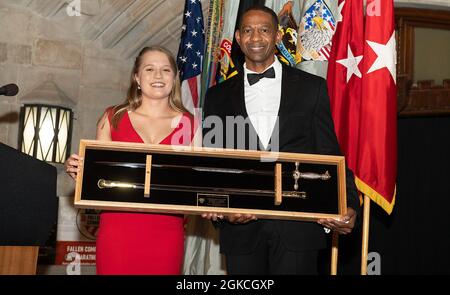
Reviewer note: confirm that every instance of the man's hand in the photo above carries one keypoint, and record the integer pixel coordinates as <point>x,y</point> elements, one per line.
<point>343,226</point>
<point>241,218</point>
<point>232,218</point>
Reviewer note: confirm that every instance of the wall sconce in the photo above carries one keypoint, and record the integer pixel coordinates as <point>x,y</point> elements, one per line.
<point>45,130</point>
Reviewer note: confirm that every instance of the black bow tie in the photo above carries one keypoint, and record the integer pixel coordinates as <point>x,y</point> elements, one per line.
<point>254,78</point>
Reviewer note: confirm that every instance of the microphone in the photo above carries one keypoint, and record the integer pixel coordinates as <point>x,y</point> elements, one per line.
<point>9,90</point>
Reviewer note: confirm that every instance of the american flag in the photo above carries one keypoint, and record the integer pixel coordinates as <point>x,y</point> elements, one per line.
<point>190,53</point>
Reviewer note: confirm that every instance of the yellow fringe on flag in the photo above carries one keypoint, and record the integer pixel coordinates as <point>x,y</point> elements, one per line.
<point>375,196</point>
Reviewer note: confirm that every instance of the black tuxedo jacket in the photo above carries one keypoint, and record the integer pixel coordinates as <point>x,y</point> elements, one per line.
<point>305,126</point>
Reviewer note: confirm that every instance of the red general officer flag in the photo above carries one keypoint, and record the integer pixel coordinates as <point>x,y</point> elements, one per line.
<point>377,159</point>
<point>344,77</point>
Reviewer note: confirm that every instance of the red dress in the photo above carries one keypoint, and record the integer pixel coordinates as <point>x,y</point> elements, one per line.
<point>141,243</point>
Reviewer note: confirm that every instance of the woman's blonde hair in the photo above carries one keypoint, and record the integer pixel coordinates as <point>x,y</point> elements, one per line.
<point>134,95</point>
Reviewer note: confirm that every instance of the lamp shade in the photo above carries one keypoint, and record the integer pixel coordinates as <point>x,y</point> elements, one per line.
<point>46,132</point>
<point>46,123</point>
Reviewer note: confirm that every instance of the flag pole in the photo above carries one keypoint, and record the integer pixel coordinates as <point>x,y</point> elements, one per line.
<point>365,235</point>
<point>334,253</point>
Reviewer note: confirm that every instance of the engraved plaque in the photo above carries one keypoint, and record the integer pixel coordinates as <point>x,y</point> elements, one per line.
<point>213,200</point>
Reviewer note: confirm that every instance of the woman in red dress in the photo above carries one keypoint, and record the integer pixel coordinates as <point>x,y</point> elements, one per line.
<point>141,243</point>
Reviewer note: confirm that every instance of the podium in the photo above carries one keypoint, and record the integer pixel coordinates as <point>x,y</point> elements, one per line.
<point>28,209</point>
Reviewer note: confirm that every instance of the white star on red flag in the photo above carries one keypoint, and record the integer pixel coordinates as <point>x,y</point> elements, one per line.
<point>351,63</point>
<point>339,16</point>
<point>386,56</point>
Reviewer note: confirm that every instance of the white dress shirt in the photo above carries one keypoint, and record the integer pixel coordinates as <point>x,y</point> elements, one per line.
<point>262,102</point>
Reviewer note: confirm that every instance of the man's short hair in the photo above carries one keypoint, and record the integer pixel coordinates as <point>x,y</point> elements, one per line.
<point>259,7</point>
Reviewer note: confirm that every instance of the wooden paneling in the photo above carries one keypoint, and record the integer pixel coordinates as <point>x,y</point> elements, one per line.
<point>425,98</point>
<point>18,260</point>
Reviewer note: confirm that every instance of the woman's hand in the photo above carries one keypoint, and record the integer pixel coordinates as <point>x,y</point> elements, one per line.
<point>72,165</point>
<point>232,218</point>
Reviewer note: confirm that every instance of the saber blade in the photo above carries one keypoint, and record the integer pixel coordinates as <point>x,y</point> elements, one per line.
<point>111,184</point>
<point>296,174</point>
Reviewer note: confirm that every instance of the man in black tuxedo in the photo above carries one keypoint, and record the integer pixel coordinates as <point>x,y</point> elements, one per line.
<point>273,95</point>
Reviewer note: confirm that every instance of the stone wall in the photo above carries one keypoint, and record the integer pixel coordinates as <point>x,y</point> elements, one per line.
<point>34,48</point>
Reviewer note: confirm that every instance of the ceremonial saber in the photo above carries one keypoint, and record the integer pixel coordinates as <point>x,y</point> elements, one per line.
<point>180,167</point>
<point>296,174</point>
<point>111,184</point>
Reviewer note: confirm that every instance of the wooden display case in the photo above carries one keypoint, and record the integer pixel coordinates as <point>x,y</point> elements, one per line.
<point>189,180</point>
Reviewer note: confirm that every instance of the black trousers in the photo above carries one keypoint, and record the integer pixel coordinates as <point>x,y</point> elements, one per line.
<point>271,257</point>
